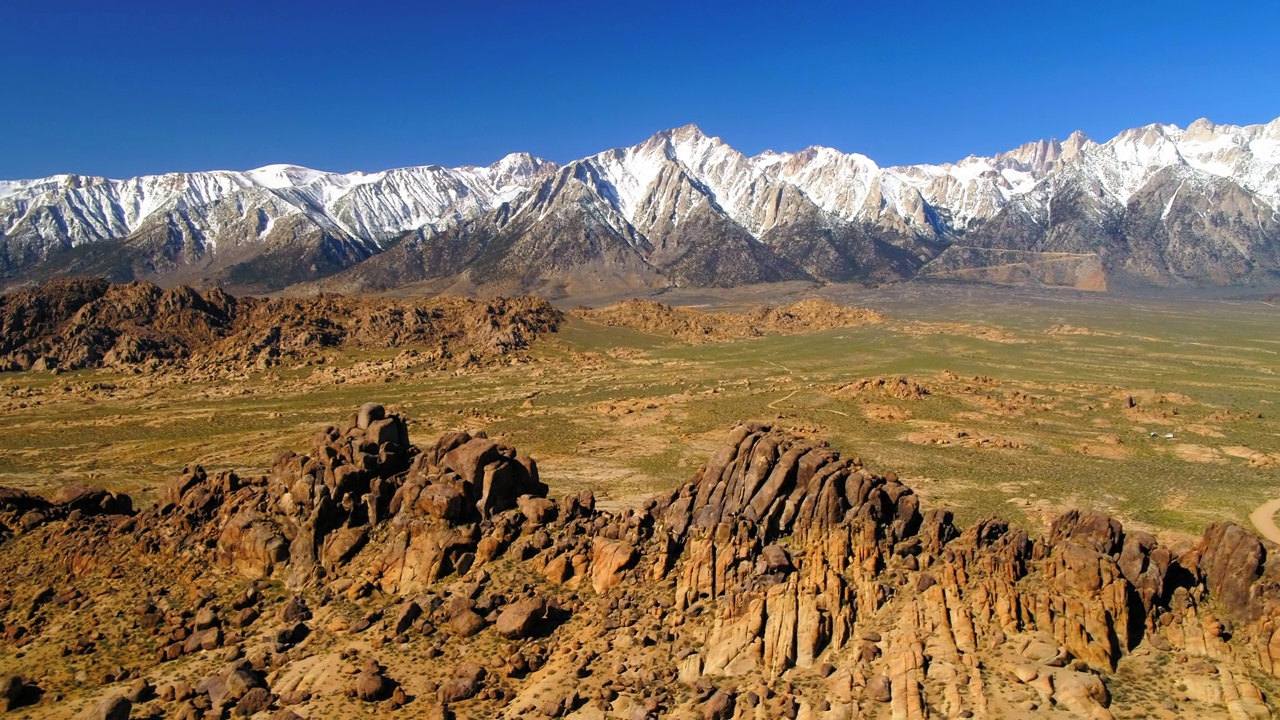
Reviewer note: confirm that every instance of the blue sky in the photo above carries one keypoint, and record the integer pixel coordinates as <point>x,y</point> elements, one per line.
<point>131,87</point>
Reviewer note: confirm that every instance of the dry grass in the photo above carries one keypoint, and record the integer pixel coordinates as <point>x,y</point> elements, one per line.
<point>1029,416</point>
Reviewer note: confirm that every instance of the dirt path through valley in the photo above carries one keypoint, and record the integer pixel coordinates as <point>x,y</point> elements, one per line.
<point>1264,519</point>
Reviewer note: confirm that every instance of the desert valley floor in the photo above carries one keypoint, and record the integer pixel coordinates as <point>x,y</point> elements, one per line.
<point>1006,402</point>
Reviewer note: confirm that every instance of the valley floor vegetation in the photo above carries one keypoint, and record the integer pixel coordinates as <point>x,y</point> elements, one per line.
<point>1008,402</point>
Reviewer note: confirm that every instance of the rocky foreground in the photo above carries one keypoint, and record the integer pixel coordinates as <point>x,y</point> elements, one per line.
<point>77,323</point>
<point>783,580</point>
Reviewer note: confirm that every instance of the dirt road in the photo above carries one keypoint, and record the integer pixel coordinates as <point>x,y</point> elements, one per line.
<point>1264,519</point>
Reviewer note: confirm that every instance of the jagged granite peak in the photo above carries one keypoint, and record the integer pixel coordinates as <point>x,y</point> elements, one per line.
<point>230,227</point>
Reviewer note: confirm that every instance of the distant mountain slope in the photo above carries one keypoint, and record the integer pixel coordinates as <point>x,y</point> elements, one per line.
<point>1157,205</point>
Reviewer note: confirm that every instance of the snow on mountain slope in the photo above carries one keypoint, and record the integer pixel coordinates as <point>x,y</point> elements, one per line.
<point>73,210</point>
<point>934,203</point>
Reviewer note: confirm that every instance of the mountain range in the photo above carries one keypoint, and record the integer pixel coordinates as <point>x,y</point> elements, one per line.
<point>1154,206</point>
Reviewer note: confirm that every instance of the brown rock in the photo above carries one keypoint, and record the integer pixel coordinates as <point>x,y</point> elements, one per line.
<point>719,706</point>
<point>295,610</point>
<point>457,690</point>
<point>255,701</point>
<point>469,459</point>
<point>251,545</point>
<point>1231,559</point>
<point>408,613</point>
<point>11,690</point>
<point>466,623</point>
<point>537,510</point>
<point>382,432</point>
<point>373,687</point>
<point>342,545</point>
<point>442,501</point>
<point>115,707</point>
<point>878,689</point>
<point>399,698</point>
<point>470,671</point>
<point>519,619</point>
<point>609,559</point>
<point>775,559</point>
<point>558,569</point>
<point>368,414</point>
<point>437,711</point>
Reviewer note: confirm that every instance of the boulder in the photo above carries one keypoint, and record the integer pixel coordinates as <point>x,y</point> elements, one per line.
<point>878,689</point>
<point>373,686</point>
<point>609,558</point>
<point>442,501</point>
<point>11,691</point>
<point>388,431</point>
<point>466,623</point>
<point>114,707</point>
<point>1231,560</point>
<point>519,619</point>
<point>457,690</point>
<point>91,500</point>
<point>255,701</point>
<point>774,559</point>
<point>252,545</point>
<point>368,414</point>
<point>537,510</point>
<point>409,612</point>
<point>469,459</point>
<point>295,610</point>
<point>719,706</point>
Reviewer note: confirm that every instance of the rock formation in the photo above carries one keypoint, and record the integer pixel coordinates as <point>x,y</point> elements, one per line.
<point>697,326</point>
<point>76,323</point>
<point>783,580</point>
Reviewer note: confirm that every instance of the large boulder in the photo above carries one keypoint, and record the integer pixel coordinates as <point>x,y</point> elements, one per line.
<point>91,500</point>
<point>469,459</point>
<point>11,691</point>
<point>519,619</point>
<point>373,686</point>
<point>457,690</point>
<point>609,558</point>
<point>252,545</point>
<point>114,707</point>
<point>1231,559</point>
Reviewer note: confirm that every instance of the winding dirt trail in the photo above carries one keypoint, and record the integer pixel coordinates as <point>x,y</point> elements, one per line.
<point>773,405</point>
<point>1264,519</point>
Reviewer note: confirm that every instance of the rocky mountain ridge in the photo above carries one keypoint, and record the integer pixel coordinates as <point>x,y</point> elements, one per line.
<point>685,209</point>
<point>78,323</point>
<point>784,579</point>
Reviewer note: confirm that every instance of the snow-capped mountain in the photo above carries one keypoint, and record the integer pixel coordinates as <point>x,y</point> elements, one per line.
<point>683,208</point>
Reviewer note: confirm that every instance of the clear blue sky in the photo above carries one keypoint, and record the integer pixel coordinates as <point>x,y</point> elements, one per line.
<point>129,87</point>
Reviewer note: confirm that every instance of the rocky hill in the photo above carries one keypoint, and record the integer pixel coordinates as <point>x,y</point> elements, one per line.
<point>784,579</point>
<point>1158,205</point>
<point>77,323</point>
<point>699,326</point>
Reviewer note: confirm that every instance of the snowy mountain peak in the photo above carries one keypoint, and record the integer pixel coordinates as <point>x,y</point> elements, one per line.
<point>675,175</point>
<point>521,163</point>
<point>276,177</point>
<point>685,133</point>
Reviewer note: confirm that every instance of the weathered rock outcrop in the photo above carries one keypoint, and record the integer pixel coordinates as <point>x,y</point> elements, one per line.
<point>783,580</point>
<point>75,323</point>
<point>22,511</point>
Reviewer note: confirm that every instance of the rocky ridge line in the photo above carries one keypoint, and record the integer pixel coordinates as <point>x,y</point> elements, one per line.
<point>783,580</point>
<point>697,326</point>
<point>77,323</point>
